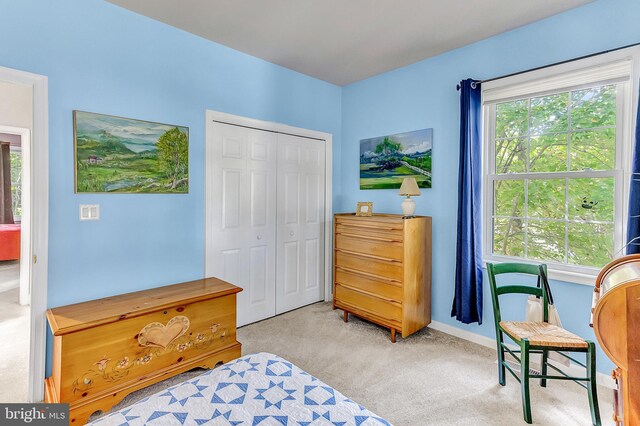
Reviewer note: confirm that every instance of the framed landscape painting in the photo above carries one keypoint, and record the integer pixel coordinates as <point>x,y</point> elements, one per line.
<point>386,160</point>
<point>123,155</point>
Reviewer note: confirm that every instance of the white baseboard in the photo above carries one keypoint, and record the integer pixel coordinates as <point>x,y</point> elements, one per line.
<point>574,370</point>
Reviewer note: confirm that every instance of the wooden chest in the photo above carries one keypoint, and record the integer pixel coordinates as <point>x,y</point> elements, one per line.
<point>107,348</point>
<point>382,270</point>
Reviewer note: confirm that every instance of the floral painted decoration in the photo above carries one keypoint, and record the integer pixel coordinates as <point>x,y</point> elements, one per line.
<point>153,346</point>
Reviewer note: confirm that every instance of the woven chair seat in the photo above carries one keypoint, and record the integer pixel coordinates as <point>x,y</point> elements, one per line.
<point>543,334</point>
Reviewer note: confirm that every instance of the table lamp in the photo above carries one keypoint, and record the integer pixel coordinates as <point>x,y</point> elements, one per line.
<point>409,187</point>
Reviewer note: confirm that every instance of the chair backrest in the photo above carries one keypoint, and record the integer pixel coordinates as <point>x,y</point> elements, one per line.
<point>516,268</point>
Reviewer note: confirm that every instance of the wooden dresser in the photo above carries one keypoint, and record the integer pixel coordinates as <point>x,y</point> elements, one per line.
<point>105,349</point>
<point>382,270</point>
<point>616,315</point>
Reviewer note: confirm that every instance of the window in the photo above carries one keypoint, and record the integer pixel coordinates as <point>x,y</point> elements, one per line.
<point>15,157</point>
<point>555,150</point>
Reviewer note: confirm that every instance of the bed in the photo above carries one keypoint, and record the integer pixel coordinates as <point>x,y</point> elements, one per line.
<point>261,389</point>
<point>9,241</point>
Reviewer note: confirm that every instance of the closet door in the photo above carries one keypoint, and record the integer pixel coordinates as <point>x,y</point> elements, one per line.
<point>300,242</point>
<point>241,227</point>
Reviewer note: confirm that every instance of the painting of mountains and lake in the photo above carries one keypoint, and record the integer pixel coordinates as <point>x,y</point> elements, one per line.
<point>386,160</point>
<point>115,154</point>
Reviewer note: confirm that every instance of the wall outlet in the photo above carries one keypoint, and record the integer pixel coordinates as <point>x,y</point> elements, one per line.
<point>89,211</point>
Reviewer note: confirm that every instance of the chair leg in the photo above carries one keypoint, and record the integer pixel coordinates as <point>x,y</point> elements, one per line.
<point>501,370</point>
<point>592,387</point>
<point>543,368</point>
<point>524,380</point>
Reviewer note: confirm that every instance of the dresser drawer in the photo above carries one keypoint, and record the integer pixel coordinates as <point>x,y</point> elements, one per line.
<point>374,247</point>
<point>389,232</point>
<point>385,289</point>
<point>384,268</point>
<point>382,308</point>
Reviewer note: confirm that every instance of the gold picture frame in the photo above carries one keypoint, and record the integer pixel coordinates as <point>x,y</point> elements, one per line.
<point>364,208</point>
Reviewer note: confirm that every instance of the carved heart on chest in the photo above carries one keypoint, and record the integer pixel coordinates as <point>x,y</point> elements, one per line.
<point>156,334</point>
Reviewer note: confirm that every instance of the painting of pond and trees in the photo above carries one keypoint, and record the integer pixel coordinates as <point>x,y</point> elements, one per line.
<point>115,154</point>
<point>386,160</point>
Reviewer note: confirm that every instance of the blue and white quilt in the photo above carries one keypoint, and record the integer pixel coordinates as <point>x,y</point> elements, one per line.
<point>260,389</point>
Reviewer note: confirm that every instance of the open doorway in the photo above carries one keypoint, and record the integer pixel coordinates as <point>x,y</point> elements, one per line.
<point>23,234</point>
<point>16,122</point>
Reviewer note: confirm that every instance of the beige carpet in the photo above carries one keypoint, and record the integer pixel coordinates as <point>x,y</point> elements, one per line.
<point>9,275</point>
<point>14,335</point>
<point>430,378</point>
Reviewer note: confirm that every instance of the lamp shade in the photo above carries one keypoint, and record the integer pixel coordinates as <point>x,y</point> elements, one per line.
<point>409,187</point>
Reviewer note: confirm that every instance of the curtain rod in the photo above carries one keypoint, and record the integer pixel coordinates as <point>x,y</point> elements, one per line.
<point>555,63</point>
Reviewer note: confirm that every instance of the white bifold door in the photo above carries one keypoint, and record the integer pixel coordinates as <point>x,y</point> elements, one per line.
<point>265,218</point>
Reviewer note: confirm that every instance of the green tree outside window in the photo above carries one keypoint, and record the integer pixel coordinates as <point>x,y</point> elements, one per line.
<point>567,219</point>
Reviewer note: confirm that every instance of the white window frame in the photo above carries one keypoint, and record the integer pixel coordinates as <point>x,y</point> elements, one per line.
<point>622,67</point>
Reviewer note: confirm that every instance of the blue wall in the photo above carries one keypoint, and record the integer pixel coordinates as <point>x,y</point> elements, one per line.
<point>105,59</point>
<point>102,58</point>
<point>423,95</point>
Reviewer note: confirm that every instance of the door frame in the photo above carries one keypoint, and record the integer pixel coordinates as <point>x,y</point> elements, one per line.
<point>238,120</point>
<point>38,262</point>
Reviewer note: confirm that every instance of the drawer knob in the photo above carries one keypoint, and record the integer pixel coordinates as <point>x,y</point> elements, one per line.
<point>259,237</point>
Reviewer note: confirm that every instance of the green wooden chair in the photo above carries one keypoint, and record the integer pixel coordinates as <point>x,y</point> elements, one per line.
<point>538,338</point>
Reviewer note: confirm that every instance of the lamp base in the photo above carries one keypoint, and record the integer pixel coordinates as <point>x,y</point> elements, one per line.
<point>408,207</point>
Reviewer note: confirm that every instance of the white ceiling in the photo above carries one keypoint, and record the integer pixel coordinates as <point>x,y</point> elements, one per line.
<point>343,41</point>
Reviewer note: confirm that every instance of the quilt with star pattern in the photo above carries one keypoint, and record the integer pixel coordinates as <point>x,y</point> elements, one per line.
<point>261,389</point>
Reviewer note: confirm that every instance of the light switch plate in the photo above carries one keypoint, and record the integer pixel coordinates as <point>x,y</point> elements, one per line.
<point>89,211</point>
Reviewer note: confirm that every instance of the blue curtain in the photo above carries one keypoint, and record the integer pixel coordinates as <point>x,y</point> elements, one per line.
<point>467,301</point>
<point>633,228</point>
